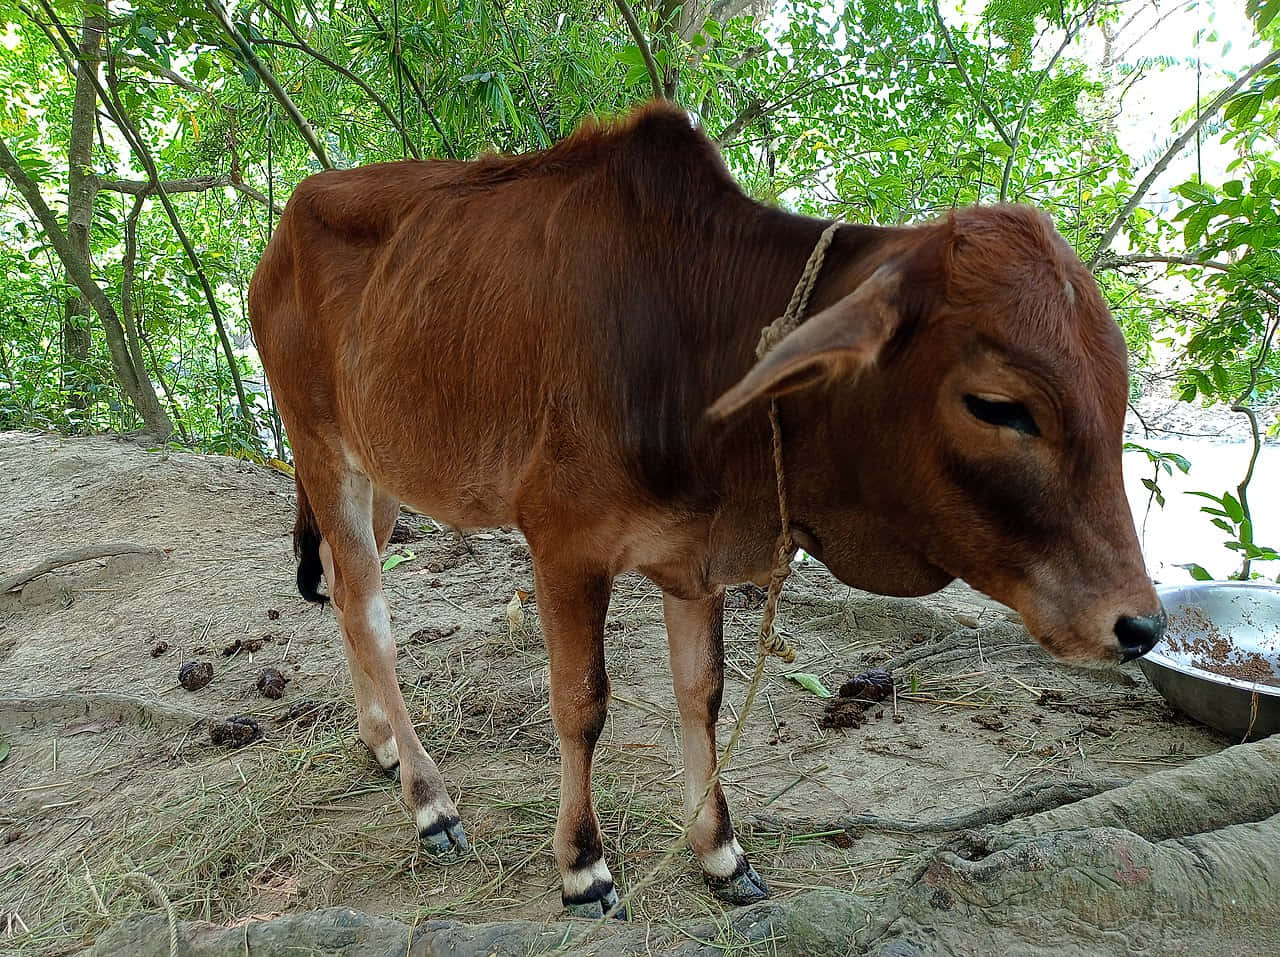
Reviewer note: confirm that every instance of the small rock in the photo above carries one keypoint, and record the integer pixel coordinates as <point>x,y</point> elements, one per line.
<point>898,719</point>
<point>159,648</point>
<point>964,618</point>
<point>273,614</point>
<point>271,683</point>
<point>194,675</point>
<point>234,732</point>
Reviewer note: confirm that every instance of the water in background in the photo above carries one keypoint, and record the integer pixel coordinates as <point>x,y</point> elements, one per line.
<point>1180,533</point>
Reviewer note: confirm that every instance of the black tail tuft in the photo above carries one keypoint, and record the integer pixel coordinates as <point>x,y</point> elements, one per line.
<point>306,546</point>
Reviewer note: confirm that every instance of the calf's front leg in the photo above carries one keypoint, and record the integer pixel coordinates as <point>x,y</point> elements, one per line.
<point>572,604</point>
<point>695,635</point>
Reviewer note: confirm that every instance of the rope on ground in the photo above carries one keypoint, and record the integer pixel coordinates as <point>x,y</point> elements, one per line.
<point>149,885</point>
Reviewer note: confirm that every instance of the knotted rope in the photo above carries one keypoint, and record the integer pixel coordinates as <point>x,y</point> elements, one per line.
<point>770,641</point>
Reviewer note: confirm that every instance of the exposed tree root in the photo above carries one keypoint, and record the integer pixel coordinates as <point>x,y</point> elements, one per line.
<point>1032,800</point>
<point>74,556</point>
<point>95,705</point>
<point>962,643</point>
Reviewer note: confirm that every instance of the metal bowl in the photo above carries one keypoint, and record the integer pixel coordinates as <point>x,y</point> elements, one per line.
<point>1212,664</point>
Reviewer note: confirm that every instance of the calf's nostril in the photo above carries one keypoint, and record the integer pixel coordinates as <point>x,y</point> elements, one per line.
<point>1138,634</point>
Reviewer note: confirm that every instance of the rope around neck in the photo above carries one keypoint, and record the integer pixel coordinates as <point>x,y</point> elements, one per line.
<point>770,642</point>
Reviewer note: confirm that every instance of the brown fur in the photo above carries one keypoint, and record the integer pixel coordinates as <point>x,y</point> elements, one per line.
<point>536,341</point>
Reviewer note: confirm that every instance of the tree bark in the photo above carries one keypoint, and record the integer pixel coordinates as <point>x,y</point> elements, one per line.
<point>133,381</point>
<point>76,338</point>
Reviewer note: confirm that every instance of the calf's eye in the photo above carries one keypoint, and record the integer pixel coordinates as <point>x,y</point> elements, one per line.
<point>1002,412</point>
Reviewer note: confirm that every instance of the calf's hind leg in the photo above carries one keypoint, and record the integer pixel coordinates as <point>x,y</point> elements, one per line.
<point>375,729</point>
<point>347,521</point>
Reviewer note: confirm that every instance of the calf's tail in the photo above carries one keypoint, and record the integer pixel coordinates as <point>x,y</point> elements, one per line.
<point>306,546</point>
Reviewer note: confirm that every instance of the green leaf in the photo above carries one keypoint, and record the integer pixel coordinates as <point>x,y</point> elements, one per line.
<point>1232,505</point>
<point>1263,12</point>
<point>809,682</point>
<point>1198,572</point>
<point>393,560</point>
<point>201,67</point>
<point>1196,225</point>
<point>1197,192</point>
<point>1243,108</point>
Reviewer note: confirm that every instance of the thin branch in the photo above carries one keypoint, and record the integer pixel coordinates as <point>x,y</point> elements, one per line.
<point>244,189</point>
<point>1109,235</point>
<point>132,134</point>
<point>524,75</point>
<point>177,79</point>
<point>1071,34</point>
<point>1114,261</point>
<point>398,56</point>
<point>192,184</point>
<point>303,46</point>
<point>655,79</point>
<point>63,55</point>
<point>269,79</point>
<point>964,75</point>
<point>1242,490</point>
<point>130,318</point>
<point>746,116</point>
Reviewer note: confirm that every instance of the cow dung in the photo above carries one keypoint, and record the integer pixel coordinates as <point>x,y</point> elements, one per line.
<point>271,683</point>
<point>234,732</point>
<point>194,675</point>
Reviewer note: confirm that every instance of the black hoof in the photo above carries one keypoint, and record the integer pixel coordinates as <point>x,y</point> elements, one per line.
<point>445,838</point>
<point>744,887</point>
<point>596,901</point>
<point>392,772</point>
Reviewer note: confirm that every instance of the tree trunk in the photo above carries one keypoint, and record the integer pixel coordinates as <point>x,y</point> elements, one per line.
<point>76,339</point>
<point>134,382</point>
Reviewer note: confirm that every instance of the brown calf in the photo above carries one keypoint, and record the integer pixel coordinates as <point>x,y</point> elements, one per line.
<point>537,340</point>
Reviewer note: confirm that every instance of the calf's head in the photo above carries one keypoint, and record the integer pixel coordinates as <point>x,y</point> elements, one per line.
<point>959,414</point>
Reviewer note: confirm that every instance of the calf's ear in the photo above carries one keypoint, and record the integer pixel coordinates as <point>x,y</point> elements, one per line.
<point>844,337</point>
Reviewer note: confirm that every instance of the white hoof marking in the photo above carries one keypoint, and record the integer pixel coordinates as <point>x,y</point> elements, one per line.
<point>427,816</point>
<point>387,754</point>
<point>579,881</point>
<point>723,861</point>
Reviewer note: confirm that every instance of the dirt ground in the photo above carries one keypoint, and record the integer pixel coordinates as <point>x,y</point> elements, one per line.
<point>108,767</point>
